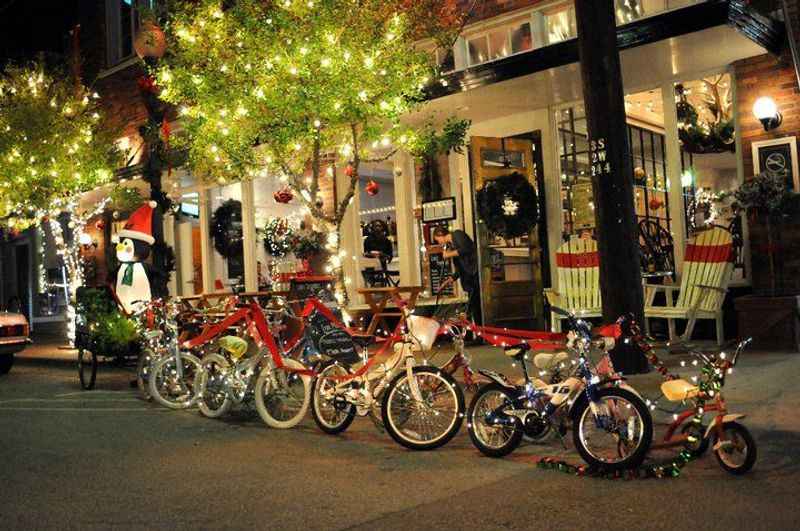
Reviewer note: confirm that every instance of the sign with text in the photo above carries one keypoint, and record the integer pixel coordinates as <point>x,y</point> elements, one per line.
<point>582,206</point>
<point>778,157</point>
<point>439,210</point>
<point>599,156</point>
<point>440,268</point>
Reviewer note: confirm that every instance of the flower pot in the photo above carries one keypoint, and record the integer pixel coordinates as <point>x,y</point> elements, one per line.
<point>772,322</point>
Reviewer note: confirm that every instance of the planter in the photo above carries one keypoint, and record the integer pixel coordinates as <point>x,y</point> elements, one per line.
<point>772,322</point>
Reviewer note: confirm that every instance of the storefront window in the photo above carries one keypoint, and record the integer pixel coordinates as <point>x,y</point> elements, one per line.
<point>648,152</point>
<point>377,215</point>
<point>274,265</point>
<point>227,263</point>
<point>560,23</point>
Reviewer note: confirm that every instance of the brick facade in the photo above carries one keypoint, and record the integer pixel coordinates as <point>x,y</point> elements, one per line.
<point>768,75</point>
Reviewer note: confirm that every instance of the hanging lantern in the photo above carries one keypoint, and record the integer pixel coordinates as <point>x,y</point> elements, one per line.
<point>150,41</point>
<point>656,203</point>
<point>372,188</point>
<point>639,175</point>
<point>284,195</point>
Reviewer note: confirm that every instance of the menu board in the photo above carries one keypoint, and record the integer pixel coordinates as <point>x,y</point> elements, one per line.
<point>439,267</point>
<point>582,206</point>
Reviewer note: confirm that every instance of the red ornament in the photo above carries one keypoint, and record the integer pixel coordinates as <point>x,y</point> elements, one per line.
<point>100,225</point>
<point>349,170</point>
<point>372,188</point>
<point>147,84</point>
<point>656,203</point>
<point>283,195</point>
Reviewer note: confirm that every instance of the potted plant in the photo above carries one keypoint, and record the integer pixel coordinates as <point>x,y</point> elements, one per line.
<point>771,313</point>
<point>429,145</point>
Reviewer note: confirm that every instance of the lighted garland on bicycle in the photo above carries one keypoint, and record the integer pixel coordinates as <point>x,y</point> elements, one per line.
<point>670,468</point>
<point>508,205</point>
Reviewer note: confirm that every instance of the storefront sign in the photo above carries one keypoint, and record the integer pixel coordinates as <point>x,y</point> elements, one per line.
<point>600,164</point>
<point>778,157</point>
<point>582,206</point>
<point>439,210</point>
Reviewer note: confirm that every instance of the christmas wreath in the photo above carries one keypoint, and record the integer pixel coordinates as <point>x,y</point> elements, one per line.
<point>278,237</point>
<point>508,205</point>
<point>226,229</point>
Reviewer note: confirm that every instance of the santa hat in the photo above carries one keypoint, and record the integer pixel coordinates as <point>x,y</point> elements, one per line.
<point>140,225</point>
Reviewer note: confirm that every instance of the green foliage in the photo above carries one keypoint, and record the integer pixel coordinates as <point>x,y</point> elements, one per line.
<point>765,193</point>
<point>53,142</point>
<point>429,143</point>
<point>292,85</point>
<point>100,325</point>
<point>125,199</point>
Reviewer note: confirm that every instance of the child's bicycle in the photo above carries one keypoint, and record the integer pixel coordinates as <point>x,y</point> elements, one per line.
<point>733,445</point>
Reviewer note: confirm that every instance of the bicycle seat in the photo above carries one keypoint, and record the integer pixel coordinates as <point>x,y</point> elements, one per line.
<point>679,390</point>
<point>544,360</point>
<point>517,350</point>
<point>233,345</point>
<point>362,341</point>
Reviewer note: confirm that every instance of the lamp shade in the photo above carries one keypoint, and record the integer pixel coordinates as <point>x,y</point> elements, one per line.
<point>765,108</point>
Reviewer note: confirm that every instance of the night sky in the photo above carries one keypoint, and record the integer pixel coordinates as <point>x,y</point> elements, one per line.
<point>30,26</point>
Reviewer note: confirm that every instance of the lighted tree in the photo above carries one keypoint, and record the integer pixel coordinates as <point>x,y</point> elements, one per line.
<point>302,89</point>
<point>53,148</point>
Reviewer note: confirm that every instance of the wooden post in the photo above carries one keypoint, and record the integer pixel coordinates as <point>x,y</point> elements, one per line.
<point>610,160</point>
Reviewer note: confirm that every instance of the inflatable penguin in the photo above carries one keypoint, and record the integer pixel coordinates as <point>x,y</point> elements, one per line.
<point>135,277</point>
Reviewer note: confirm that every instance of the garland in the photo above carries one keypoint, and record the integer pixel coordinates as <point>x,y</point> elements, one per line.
<point>226,229</point>
<point>508,205</point>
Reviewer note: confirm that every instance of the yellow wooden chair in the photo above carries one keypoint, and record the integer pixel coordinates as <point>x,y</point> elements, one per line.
<point>707,270</point>
<point>578,289</point>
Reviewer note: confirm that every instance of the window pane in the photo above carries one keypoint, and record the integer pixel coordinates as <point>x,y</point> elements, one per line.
<point>378,261</point>
<point>478,50</point>
<point>498,43</point>
<point>126,28</point>
<point>521,38</point>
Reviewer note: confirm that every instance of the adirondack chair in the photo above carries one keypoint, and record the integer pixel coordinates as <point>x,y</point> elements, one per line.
<point>707,269</point>
<point>578,287</point>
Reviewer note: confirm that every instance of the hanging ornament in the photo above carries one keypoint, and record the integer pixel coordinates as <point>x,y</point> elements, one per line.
<point>284,195</point>
<point>150,41</point>
<point>655,203</point>
<point>147,84</point>
<point>510,207</point>
<point>100,224</point>
<point>372,188</point>
<point>349,170</point>
<point>639,175</point>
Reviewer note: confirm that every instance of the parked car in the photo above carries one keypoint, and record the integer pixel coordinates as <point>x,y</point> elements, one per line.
<point>13,338</point>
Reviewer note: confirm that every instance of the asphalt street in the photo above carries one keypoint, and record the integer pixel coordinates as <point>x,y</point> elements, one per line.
<point>104,459</point>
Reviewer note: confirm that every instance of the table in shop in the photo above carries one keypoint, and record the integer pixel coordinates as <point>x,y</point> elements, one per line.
<point>379,298</point>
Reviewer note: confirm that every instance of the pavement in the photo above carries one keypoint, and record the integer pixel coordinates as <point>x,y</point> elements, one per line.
<point>104,459</point>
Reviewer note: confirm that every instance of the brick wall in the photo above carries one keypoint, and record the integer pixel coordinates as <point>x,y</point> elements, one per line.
<point>768,75</point>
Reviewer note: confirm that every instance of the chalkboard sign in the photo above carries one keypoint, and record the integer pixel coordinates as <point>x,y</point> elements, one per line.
<point>440,268</point>
<point>320,287</point>
<point>330,340</point>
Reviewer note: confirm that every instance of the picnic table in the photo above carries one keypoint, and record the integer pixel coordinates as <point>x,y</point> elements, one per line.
<point>379,298</point>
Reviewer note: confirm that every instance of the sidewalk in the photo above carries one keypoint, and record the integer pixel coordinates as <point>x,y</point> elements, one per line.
<point>48,350</point>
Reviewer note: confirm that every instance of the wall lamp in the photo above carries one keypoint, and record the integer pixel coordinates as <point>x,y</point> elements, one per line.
<point>767,113</point>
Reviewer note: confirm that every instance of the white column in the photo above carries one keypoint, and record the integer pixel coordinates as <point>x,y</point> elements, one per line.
<point>675,195</point>
<point>185,256</point>
<point>169,239</point>
<point>406,224</point>
<point>206,251</point>
<point>467,216</point>
<point>552,190</point>
<point>249,235</point>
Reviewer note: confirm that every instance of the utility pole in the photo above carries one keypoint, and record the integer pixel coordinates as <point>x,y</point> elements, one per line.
<point>610,160</point>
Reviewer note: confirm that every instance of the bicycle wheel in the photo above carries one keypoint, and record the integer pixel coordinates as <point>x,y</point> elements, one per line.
<point>209,386</point>
<point>737,452</point>
<point>427,423</point>
<point>616,433</point>
<point>167,387</point>
<point>330,411</point>
<point>493,440</point>
<point>87,368</point>
<point>282,397</point>
<point>143,368</point>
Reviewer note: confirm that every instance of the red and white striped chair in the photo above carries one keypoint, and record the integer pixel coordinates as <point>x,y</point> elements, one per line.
<point>707,269</point>
<point>578,289</point>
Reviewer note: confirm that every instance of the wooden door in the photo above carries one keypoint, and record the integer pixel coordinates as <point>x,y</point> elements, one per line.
<point>510,270</point>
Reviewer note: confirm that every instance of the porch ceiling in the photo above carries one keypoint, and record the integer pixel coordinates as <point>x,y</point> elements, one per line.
<point>644,67</point>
